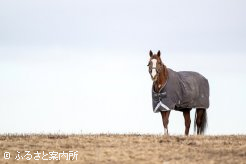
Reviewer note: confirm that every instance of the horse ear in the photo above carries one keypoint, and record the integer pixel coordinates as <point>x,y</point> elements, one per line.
<point>150,53</point>
<point>159,53</point>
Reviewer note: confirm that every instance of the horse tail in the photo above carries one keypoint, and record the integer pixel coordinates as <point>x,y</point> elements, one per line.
<point>201,123</point>
<point>204,121</point>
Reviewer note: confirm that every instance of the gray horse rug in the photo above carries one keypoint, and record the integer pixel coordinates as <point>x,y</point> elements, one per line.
<point>183,89</point>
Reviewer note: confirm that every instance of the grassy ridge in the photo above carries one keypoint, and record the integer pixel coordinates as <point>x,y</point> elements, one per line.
<point>122,148</point>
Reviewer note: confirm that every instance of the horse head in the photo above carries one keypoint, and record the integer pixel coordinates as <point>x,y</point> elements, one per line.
<point>155,65</point>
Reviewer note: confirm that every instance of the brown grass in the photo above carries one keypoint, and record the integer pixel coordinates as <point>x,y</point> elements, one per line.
<point>109,148</point>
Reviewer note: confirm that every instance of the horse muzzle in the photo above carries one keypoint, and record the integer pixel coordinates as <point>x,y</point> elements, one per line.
<point>154,78</point>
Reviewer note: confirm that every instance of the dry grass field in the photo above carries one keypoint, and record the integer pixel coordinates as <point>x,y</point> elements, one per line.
<point>110,148</point>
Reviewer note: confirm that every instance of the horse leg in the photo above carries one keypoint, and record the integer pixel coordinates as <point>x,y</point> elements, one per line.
<point>165,120</point>
<point>201,120</point>
<point>186,114</point>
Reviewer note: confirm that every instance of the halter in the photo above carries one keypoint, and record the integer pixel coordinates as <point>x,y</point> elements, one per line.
<point>155,69</point>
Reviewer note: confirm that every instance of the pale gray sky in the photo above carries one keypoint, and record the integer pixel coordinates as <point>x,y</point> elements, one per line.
<point>80,66</point>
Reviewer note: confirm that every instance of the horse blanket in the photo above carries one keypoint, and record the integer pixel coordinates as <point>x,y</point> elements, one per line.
<point>183,89</point>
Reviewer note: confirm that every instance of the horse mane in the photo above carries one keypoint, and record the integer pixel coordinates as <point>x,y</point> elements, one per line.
<point>165,72</point>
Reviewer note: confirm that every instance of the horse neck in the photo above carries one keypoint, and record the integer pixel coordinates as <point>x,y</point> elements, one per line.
<point>161,80</point>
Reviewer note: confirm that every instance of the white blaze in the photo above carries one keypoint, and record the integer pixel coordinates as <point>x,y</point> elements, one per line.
<point>154,62</point>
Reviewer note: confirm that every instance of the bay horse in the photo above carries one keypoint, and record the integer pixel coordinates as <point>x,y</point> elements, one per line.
<point>180,91</point>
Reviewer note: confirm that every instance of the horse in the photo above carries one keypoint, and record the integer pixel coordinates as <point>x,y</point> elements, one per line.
<point>180,91</point>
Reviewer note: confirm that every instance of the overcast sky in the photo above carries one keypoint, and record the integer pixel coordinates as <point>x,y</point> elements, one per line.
<point>80,66</point>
